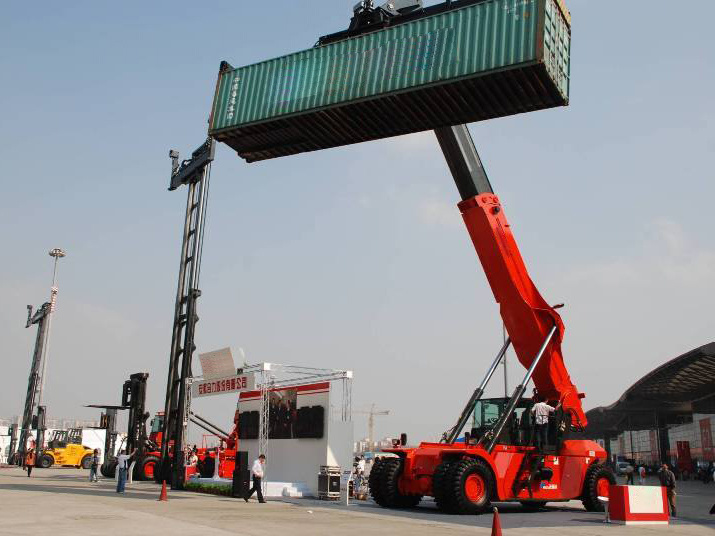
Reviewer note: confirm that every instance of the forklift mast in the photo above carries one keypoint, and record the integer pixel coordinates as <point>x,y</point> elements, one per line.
<point>534,327</point>
<point>195,174</point>
<point>134,399</point>
<point>29,417</point>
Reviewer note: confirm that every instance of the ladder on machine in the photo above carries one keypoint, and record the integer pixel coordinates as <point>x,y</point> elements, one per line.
<point>195,174</point>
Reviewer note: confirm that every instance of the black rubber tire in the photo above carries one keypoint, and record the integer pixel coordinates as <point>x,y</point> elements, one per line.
<point>86,462</point>
<point>458,477</point>
<point>109,469</point>
<point>140,472</point>
<point>589,495</point>
<point>441,489</point>
<point>374,482</point>
<point>532,506</point>
<point>46,461</point>
<point>389,480</point>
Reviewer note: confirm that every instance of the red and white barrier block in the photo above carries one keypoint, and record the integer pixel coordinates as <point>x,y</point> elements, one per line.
<point>638,505</point>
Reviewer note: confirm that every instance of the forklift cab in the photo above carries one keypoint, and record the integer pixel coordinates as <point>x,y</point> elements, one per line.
<point>155,430</point>
<point>519,430</point>
<point>61,438</point>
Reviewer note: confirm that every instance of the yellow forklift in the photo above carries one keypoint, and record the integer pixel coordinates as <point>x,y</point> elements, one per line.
<point>65,448</point>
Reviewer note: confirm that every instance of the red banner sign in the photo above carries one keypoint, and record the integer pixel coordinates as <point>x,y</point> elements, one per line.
<point>706,436</point>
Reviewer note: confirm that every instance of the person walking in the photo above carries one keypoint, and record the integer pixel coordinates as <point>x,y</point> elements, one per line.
<point>257,471</point>
<point>94,466</point>
<point>641,475</point>
<point>629,475</point>
<point>541,411</point>
<point>667,480</point>
<point>30,460</point>
<point>122,469</point>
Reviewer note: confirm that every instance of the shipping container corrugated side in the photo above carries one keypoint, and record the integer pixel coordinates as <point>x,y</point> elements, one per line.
<point>490,59</point>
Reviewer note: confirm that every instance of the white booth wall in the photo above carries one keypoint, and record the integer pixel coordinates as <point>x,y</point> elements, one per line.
<point>297,461</point>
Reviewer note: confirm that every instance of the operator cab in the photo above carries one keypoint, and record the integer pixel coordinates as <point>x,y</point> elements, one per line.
<point>156,424</point>
<point>519,430</point>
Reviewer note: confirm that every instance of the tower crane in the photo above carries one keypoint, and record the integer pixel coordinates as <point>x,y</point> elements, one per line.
<point>371,420</point>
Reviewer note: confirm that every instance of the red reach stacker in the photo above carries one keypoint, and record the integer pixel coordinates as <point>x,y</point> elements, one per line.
<point>497,461</point>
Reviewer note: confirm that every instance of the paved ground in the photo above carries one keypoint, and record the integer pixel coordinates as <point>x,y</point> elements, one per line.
<point>61,501</point>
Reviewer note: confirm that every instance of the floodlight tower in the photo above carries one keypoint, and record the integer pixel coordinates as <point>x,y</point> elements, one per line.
<point>34,412</point>
<point>57,254</point>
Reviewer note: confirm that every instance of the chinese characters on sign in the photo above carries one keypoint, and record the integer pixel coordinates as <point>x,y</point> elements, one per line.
<point>234,384</point>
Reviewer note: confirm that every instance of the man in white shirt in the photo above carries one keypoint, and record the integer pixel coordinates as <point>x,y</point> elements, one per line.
<point>122,469</point>
<point>257,471</point>
<point>541,411</point>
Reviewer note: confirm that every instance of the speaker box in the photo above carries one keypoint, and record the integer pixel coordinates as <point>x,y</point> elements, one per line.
<point>242,460</point>
<point>241,475</point>
<point>328,484</point>
<point>317,421</point>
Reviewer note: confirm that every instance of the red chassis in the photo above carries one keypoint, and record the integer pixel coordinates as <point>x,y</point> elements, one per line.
<point>471,477</point>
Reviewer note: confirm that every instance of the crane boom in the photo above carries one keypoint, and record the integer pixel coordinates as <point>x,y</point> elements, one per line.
<point>527,316</point>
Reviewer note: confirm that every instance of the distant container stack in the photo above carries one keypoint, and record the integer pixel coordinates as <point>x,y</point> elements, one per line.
<point>489,59</point>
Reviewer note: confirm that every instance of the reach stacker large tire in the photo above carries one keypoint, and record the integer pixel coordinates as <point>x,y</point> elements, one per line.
<point>374,482</point>
<point>384,485</point>
<point>86,462</point>
<point>441,489</point>
<point>108,469</point>
<point>146,468</point>
<point>595,485</point>
<point>472,484</point>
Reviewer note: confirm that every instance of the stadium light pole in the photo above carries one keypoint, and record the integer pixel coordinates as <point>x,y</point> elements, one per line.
<point>57,254</point>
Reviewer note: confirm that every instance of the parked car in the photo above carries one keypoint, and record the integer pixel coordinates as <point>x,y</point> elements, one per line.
<point>623,467</point>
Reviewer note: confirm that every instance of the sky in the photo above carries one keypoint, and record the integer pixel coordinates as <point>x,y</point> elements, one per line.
<point>350,258</point>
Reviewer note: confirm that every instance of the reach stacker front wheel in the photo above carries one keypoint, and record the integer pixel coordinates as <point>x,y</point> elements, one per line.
<point>595,485</point>
<point>471,484</point>
<point>462,486</point>
<point>384,485</point>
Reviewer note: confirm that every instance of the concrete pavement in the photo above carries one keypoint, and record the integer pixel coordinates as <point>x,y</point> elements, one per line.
<point>60,501</point>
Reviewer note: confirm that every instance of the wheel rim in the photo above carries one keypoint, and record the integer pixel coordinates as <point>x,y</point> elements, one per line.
<point>474,488</point>
<point>602,487</point>
<point>149,469</point>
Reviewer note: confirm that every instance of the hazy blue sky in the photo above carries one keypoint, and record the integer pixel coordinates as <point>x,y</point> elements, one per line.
<point>353,257</point>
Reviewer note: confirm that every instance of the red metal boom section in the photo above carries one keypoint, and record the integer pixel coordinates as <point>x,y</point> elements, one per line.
<point>527,316</point>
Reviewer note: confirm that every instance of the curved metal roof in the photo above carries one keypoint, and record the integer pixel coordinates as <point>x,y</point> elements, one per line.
<point>664,394</point>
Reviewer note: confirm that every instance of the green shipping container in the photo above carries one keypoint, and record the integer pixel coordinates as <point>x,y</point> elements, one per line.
<point>490,59</point>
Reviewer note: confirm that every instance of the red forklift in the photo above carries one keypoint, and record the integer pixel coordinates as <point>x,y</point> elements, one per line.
<point>148,446</point>
<point>136,440</point>
<point>207,454</point>
<point>498,459</point>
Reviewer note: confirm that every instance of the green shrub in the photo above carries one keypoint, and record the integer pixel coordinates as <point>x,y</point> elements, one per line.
<point>211,489</point>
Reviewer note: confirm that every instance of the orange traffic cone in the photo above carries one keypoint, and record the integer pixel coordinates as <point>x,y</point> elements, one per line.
<point>163,496</point>
<point>496,524</point>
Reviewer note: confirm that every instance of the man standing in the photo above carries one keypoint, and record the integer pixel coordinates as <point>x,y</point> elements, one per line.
<point>629,475</point>
<point>94,466</point>
<point>541,411</point>
<point>667,480</point>
<point>122,469</point>
<point>257,471</point>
